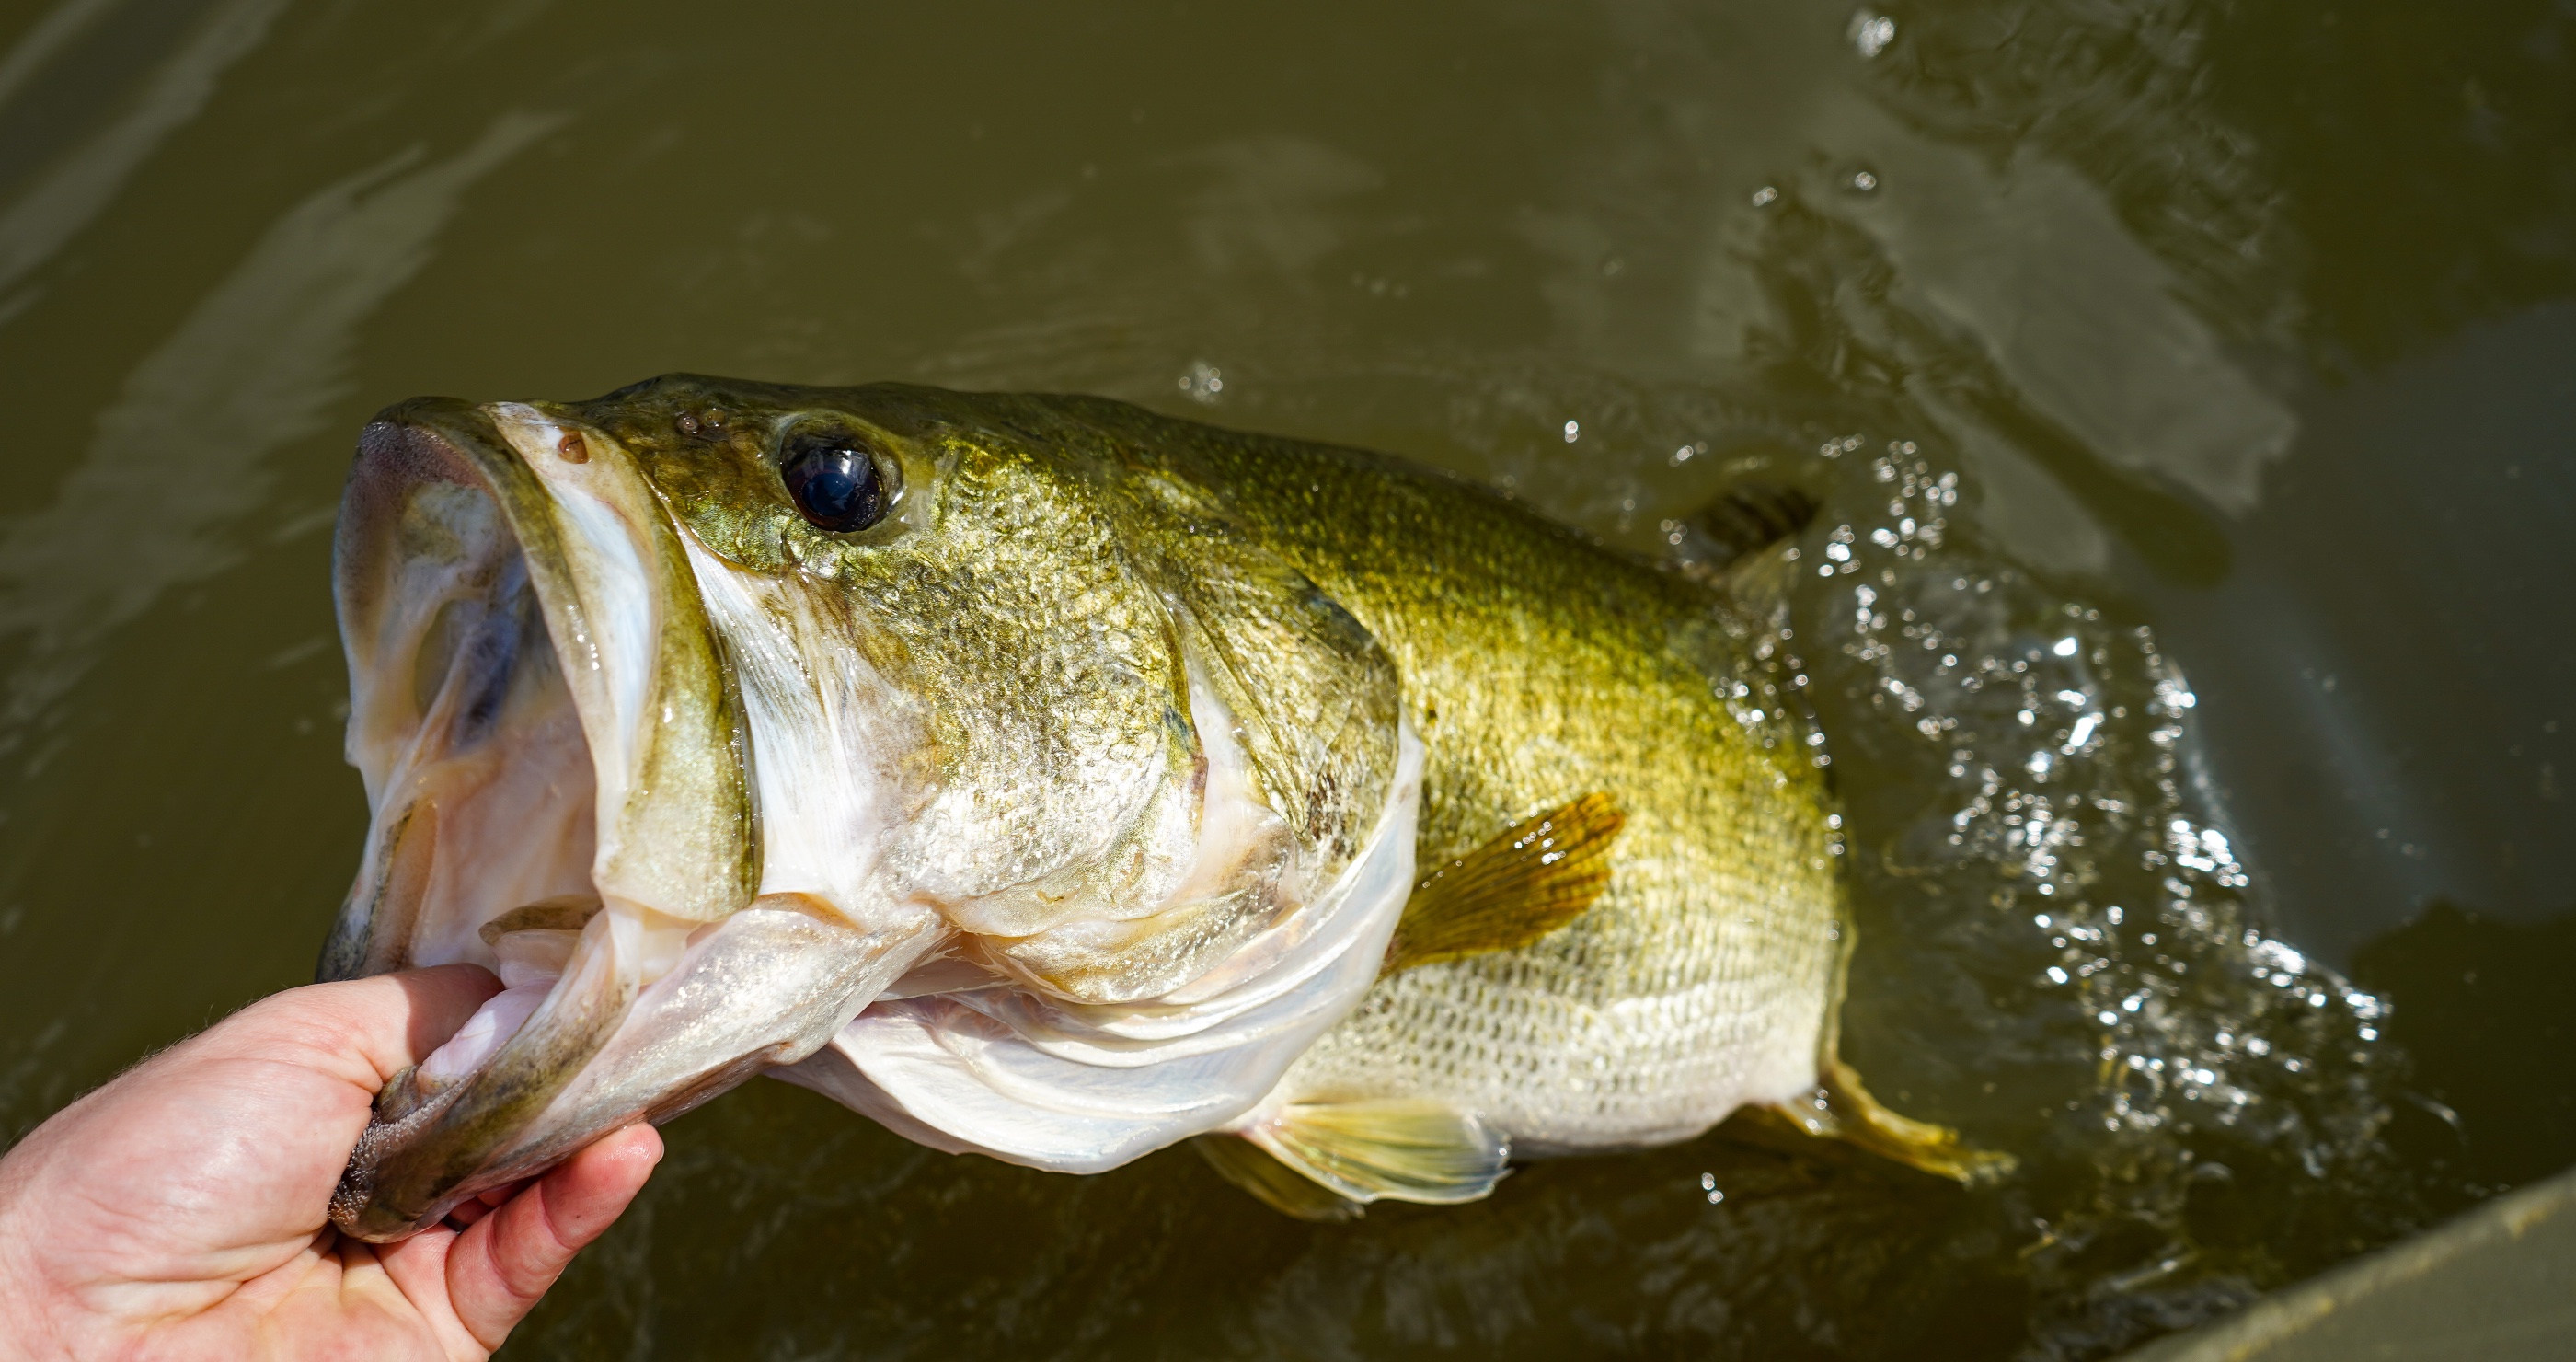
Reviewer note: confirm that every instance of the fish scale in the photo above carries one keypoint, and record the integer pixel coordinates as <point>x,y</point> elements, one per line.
<point>1540,667</point>
<point>1061,781</point>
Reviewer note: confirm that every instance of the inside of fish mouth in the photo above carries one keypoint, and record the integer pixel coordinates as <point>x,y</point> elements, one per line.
<point>468,722</point>
<point>490,782</point>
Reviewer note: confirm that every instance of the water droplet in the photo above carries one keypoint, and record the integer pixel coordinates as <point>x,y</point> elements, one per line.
<point>1204,382</point>
<point>1870,33</point>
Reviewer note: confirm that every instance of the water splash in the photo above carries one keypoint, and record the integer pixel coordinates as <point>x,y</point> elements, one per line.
<point>2035,847</point>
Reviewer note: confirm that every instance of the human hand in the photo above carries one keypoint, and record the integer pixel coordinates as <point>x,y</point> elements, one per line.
<point>183,1209</point>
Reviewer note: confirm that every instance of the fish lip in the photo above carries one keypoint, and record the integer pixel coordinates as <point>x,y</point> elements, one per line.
<point>422,1155</point>
<point>429,1148</point>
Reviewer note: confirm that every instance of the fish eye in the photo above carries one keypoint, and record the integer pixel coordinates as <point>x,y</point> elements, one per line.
<point>834,480</point>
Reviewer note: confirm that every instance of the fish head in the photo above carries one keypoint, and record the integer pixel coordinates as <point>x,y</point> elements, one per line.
<point>703,711</point>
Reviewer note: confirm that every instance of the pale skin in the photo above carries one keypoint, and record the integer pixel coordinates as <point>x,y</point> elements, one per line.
<point>181,1210</point>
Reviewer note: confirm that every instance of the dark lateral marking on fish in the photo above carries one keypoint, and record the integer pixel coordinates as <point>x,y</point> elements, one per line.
<point>1533,878</point>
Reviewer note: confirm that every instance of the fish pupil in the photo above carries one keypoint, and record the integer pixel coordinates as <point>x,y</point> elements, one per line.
<point>834,482</point>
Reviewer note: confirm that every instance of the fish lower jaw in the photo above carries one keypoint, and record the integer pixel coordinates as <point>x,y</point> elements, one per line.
<point>532,962</point>
<point>649,1018</point>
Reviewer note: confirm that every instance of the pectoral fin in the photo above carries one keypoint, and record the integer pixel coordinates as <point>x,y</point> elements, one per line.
<point>1535,877</point>
<point>1353,1153</point>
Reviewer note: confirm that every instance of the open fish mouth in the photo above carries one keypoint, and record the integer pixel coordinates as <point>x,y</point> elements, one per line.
<point>559,773</point>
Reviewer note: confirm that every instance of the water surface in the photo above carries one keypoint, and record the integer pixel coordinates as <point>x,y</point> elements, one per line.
<point>2192,382</point>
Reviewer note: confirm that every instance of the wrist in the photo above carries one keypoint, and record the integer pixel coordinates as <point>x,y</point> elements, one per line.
<point>36,1305</point>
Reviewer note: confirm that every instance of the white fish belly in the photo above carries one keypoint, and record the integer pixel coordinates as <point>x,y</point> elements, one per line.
<point>1627,1028</point>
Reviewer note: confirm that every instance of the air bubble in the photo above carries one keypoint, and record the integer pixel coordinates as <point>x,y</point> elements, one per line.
<point>1204,382</point>
<point>1870,33</point>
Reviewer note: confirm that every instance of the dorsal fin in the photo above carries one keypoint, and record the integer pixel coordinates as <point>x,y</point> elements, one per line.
<point>1730,543</point>
<point>1533,878</point>
<point>1745,519</point>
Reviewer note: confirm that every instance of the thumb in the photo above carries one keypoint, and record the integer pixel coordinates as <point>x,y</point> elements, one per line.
<point>362,1030</point>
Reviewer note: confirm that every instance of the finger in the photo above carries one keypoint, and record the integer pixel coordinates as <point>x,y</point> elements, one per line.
<point>363,1030</point>
<point>416,1268</point>
<point>497,1269</point>
<point>482,1204</point>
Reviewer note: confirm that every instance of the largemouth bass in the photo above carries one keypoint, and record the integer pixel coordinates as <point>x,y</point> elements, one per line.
<point>1053,780</point>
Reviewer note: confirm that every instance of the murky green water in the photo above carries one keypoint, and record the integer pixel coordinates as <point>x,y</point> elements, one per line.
<point>2245,334</point>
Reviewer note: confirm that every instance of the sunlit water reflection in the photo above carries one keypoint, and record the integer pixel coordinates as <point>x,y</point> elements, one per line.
<point>2185,386</point>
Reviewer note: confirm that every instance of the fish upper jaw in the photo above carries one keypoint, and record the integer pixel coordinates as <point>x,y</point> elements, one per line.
<point>542,716</point>
<point>524,635</point>
<point>677,831</point>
